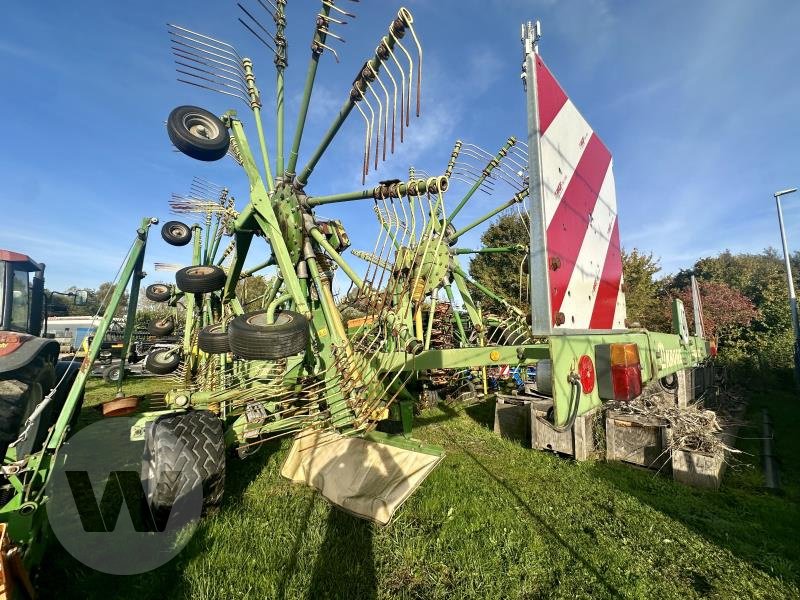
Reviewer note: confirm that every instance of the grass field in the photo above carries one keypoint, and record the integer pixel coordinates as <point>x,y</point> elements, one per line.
<point>494,520</point>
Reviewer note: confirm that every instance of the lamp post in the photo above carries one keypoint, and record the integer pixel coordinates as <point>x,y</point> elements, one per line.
<point>790,283</point>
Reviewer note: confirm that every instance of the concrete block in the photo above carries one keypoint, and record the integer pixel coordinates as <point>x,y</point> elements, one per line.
<point>638,440</point>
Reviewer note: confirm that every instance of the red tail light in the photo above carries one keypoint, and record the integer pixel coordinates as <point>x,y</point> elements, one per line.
<point>627,382</point>
<point>586,372</point>
<point>626,371</point>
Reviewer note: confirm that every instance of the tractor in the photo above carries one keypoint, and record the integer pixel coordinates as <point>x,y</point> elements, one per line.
<point>29,367</point>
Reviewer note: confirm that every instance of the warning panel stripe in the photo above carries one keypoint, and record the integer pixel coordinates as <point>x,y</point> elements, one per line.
<point>608,291</point>
<point>570,222</point>
<point>562,150</point>
<point>551,96</point>
<point>585,281</point>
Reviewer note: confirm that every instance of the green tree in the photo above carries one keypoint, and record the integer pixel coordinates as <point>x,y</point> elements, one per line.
<point>642,290</point>
<point>767,341</point>
<point>500,272</point>
<point>101,297</point>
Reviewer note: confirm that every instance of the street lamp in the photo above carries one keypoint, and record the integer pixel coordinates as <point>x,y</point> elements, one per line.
<point>790,283</point>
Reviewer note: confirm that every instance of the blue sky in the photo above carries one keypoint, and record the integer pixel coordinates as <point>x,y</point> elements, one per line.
<point>698,102</point>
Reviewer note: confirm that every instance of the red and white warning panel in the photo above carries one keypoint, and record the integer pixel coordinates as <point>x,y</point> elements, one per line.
<point>579,209</point>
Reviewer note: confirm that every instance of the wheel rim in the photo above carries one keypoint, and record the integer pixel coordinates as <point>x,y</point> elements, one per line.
<point>159,289</point>
<point>200,126</point>
<point>200,271</point>
<point>178,230</point>
<point>260,320</point>
<point>164,324</point>
<point>163,358</point>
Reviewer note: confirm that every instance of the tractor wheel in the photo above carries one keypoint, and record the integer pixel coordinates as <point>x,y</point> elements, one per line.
<point>213,340</point>
<point>112,374</point>
<point>162,362</point>
<point>176,233</point>
<point>252,338</point>
<point>183,452</point>
<point>200,279</point>
<point>158,292</point>
<point>198,133</point>
<point>161,327</point>
<point>19,396</point>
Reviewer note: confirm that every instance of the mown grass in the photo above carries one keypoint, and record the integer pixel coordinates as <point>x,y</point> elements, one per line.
<point>494,520</point>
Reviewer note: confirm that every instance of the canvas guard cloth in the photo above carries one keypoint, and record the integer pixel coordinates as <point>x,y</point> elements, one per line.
<point>365,478</point>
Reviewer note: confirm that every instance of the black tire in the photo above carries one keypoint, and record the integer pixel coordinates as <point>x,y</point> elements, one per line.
<point>19,396</point>
<point>161,327</point>
<point>200,279</point>
<point>213,340</point>
<point>250,337</point>
<point>158,292</point>
<point>159,363</point>
<point>183,452</point>
<point>198,133</point>
<point>669,383</point>
<point>176,233</point>
<point>112,373</point>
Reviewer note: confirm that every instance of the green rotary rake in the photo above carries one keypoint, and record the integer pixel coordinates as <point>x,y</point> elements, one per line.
<point>297,366</point>
<point>345,388</point>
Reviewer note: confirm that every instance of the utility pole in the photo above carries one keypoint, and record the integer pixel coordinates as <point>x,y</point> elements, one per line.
<point>790,283</point>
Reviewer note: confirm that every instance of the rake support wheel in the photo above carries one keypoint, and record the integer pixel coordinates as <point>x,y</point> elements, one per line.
<point>162,362</point>
<point>213,340</point>
<point>161,327</point>
<point>252,338</point>
<point>176,233</point>
<point>198,133</point>
<point>157,292</point>
<point>200,279</point>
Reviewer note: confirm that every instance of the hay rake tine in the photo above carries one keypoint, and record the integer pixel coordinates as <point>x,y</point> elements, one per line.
<point>342,12</point>
<point>205,61</point>
<point>382,49</point>
<point>499,171</point>
<point>397,42</point>
<point>388,48</point>
<point>409,21</point>
<point>357,93</point>
<point>260,26</point>
<point>364,165</point>
<point>224,47</point>
<point>380,120</point>
<point>386,118</point>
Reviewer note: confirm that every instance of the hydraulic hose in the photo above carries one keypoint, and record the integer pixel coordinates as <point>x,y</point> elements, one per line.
<point>575,401</point>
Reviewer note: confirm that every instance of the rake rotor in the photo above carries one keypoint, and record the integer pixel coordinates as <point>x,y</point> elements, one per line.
<point>403,288</point>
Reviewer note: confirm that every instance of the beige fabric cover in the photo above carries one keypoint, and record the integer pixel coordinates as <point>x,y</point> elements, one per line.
<point>365,478</point>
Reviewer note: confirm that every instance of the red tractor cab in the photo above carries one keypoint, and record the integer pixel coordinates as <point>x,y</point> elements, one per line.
<point>29,366</point>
